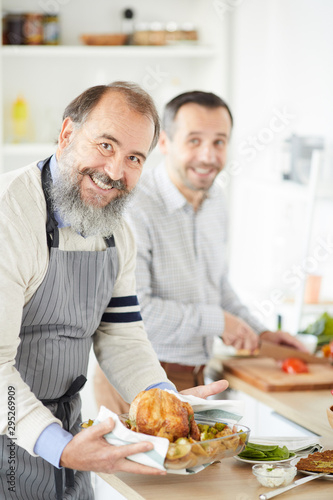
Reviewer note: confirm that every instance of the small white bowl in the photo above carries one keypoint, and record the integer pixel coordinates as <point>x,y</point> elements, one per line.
<point>310,341</point>
<point>274,475</point>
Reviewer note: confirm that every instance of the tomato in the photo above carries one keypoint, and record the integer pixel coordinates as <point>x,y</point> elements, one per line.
<point>294,365</point>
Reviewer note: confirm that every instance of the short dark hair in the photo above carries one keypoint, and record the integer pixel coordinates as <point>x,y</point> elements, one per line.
<point>206,99</point>
<point>138,99</point>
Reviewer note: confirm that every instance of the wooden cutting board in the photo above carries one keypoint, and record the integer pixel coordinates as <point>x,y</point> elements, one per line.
<point>265,374</point>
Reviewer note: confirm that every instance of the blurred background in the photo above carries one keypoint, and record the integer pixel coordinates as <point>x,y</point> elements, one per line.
<point>271,60</point>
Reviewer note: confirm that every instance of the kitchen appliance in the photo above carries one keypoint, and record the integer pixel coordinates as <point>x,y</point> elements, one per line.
<point>298,155</point>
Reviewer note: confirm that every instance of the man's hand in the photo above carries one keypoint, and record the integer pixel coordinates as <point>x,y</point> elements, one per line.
<point>203,391</point>
<point>283,338</point>
<point>238,333</point>
<point>89,451</point>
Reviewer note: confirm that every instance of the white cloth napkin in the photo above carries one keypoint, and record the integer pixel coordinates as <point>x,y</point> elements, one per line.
<point>229,411</point>
<point>120,436</point>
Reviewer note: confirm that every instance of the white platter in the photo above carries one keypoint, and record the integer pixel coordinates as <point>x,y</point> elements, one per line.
<point>263,461</point>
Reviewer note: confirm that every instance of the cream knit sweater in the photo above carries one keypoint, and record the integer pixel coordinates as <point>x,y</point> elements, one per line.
<point>123,350</point>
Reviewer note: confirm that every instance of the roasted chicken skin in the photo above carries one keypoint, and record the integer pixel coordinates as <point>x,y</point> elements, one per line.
<point>159,413</point>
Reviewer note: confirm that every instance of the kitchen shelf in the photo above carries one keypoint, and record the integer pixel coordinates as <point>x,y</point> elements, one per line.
<point>49,76</point>
<point>179,51</point>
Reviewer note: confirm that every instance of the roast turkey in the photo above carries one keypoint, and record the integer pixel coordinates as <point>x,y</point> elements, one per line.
<point>159,413</point>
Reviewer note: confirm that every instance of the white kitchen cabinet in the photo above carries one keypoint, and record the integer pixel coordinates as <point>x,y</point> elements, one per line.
<point>49,77</point>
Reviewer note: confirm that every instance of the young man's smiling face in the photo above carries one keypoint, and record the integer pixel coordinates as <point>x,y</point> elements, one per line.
<point>197,150</point>
<point>111,145</point>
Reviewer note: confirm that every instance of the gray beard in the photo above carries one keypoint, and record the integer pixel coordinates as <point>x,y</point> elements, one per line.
<point>88,220</point>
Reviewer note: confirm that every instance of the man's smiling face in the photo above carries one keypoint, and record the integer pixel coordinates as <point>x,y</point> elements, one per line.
<point>197,150</point>
<point>100,162</point>
<point>111,145</point>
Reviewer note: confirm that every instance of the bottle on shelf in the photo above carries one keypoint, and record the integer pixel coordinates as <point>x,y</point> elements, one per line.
<point>128,25</point>
<point>21,124</point>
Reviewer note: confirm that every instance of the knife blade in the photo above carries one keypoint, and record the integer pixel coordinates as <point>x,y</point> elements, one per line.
<point>274,493</point>
<point>281,352</point>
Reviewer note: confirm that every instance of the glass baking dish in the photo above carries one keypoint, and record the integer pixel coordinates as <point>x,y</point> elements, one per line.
<point>186,453</point>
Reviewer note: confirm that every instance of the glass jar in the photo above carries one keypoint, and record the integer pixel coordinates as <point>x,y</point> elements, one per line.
<point>13,26</point>
<point>156,34</point>
<point>50,29</point>
<point>141,34</point>
<point>33,29</point>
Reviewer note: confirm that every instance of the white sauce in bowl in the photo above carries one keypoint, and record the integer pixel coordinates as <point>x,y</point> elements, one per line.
<point>273,477</point>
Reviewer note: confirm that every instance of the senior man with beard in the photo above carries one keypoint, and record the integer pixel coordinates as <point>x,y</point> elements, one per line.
<point>67,282</point>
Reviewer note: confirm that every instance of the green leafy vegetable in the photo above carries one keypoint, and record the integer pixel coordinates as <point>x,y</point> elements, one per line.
<point>322,328</point>
<point>262,447</point>
<point>261,452</point>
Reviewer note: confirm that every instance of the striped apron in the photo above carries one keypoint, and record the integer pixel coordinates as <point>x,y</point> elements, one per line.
<point>55,339</point>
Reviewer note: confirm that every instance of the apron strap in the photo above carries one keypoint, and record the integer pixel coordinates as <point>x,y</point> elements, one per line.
<point>51,223</point>
<point>63,414</point>
<point>110,241</point>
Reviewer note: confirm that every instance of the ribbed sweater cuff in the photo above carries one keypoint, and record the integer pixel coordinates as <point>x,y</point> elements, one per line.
<point>29,428</point>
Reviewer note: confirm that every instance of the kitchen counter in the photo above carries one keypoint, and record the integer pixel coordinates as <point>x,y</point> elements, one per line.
<point>306,408</point>
<point>231,479</point>
<point>227,480</point>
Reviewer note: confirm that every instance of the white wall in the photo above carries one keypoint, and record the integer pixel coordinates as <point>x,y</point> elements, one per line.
<point>282,56</point>
<point>281,67</point>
